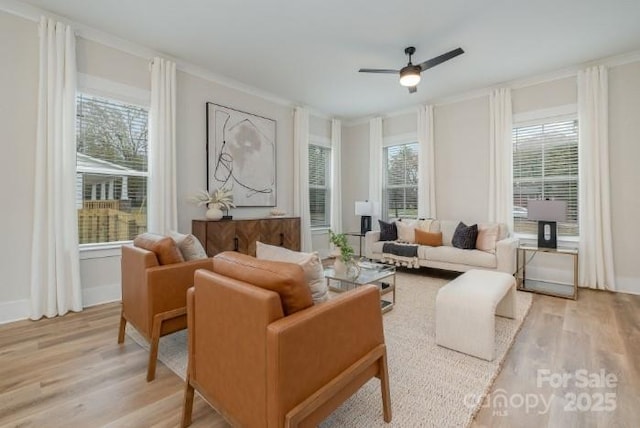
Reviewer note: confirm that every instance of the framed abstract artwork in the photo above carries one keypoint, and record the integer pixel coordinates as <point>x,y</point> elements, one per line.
<point>241,155</point>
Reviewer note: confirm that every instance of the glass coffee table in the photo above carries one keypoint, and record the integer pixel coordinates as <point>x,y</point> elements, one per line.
<point>384,276</point>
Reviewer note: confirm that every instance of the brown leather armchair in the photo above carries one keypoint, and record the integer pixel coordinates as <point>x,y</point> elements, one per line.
<point>154,296</point>
<point>260,368</point>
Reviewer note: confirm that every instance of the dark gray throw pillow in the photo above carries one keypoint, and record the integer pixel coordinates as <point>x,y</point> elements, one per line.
<point>465,236</point>
<point>388,231</point>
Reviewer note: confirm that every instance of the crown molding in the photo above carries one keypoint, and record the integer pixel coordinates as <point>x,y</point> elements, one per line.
<point>388,115</point>
<point>611,61</point>
<point>33,13</point>
<point>319,114</point>
<point>571,71</point>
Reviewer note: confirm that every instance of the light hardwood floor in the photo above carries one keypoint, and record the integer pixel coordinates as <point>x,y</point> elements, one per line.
<point>70,372</point>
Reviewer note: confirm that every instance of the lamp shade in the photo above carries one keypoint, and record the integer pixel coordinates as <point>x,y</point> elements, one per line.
<point>371,208</point>
<point>410,75</point>
<point>364,208</point>
<point>546,210</point>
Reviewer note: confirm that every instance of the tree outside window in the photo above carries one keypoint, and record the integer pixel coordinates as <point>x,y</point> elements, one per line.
<point>545,165</point>
<point>400,190</point>
<point>112,169</point>
<point>319,185</point>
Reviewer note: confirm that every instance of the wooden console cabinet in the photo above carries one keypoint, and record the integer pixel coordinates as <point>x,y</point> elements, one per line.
<point>241,235</point>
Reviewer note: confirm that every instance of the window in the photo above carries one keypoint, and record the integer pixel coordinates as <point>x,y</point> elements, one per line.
<point>319,185</point>
<point>111,162</point>
<point>545,165</point>
<point>400,190</point>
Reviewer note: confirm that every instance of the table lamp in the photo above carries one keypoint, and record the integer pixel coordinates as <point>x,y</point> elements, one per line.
<point>547,213</point>
<point>365,209</point>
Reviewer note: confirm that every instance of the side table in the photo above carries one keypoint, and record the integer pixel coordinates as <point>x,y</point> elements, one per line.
<point>550,288</point>
<point>360,236</point>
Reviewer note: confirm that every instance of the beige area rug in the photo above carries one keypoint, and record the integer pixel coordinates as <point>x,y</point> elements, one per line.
<point>430,386</point>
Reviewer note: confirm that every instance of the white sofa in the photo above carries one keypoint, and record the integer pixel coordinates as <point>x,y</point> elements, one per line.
<point>448,257</point>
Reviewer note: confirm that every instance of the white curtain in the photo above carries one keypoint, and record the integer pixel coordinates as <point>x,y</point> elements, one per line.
<point>501,157</point>
<point>301,175</point>
<point>375,166</point>
<point>55,265</point>
<point>426,164</point>
<point>596,250</point>
<point>336,179</point>
<point>162,207</point>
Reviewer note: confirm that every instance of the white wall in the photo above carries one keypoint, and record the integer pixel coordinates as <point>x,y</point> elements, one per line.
<point>624,161</point>
<point>100,269</point>
<point>544,95</point>
<point>19,87</point>
<point>320,127</point>
<point>355,172</point>
<point>193,93</point>
<point>400,124</point>
<point>461,135</point>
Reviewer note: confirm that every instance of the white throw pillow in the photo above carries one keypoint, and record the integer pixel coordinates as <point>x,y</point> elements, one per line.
<point>487,237</point>
<point>310,263</point>
<point>189,246</point>
<point>406,232</point>
<point>424,225</point>
<point>448,228</point>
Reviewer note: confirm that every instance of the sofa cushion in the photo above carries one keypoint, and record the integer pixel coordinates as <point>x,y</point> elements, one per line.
<point>286,279</point>
<point>376,247</point>
<point>465,236</point>
<point>406,232</point>
<point>447,227</point>
<point>458,256</point>
<point>388,231</point>
<point>487,237</point>
<point>424,224</point>
<point>190,247</point>
<point>165,248</point>
<point>310,263</point>
<point>433,239</point>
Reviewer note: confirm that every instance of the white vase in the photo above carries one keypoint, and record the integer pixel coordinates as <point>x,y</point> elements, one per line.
<point>214,212</point>
<point>339,266</point>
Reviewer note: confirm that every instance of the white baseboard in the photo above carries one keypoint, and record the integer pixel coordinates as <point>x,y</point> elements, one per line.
<point>14,311</point>
<point>98,295</point>
<point>628,285</point>
<point>19,310</point>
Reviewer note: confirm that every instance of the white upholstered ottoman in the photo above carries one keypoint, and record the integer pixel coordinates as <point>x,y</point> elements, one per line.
<point>466,309</point>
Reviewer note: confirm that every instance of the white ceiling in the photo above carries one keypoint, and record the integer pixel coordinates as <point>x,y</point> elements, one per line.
<point>310,51</point>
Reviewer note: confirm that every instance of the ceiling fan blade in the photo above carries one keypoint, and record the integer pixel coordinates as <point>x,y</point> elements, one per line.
<point>413,89</point>
<point>440,59</point>
<point>375,70</point>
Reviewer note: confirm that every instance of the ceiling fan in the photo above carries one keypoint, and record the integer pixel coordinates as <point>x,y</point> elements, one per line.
<point>410,74</point>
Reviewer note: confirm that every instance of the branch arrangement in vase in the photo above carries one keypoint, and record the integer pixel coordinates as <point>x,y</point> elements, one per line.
<point>340,241</point>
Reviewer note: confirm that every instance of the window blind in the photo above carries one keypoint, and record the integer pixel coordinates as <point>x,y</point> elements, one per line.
<point>400,191</point>
<point>112,171</point>
<point>319,179</point>
<point>545,165</point>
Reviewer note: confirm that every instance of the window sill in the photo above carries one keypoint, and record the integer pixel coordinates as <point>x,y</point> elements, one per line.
<point>99,251</point>
<point>320,230</point>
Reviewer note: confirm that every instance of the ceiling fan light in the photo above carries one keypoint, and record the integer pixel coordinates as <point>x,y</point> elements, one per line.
<point>410,76</point>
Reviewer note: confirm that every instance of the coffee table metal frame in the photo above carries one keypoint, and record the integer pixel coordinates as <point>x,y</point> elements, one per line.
<point>370,273</point>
